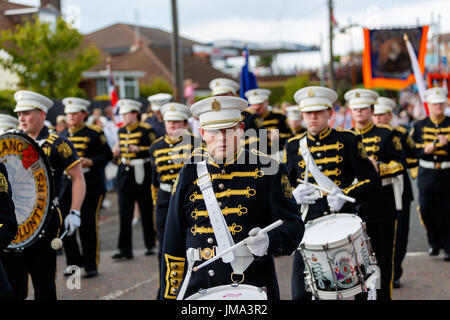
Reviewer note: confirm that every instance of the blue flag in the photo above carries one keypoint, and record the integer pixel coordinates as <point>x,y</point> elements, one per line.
<point>247,78</point>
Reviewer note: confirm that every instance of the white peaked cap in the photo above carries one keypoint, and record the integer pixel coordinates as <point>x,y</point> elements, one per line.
<point>436,95</point>
<point>219,112</point>
<point>174,111</point>
<point>360,98</point>
<point>220,86</point>
<point>74,105</point>
<point>29,100</point>
<point>383,105</point>
<point>293,113</point>
<point>158,100</point>
<point>128,105</point>
<point>315,98</point>
<point>256,96</point>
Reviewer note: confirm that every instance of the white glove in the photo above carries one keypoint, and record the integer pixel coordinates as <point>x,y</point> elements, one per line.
<point>72,221</point>
<point>304,194</point>
<point>258,243</point>
<point>334,202</point>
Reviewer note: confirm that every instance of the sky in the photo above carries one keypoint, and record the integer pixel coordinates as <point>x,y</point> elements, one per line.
<point>298,21</point>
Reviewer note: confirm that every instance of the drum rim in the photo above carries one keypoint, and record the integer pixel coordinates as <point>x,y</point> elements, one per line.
<point>333,244</point>
<point>228,287</point>
<point>51,193</point>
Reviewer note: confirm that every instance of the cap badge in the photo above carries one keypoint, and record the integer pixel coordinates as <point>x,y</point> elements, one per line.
<point>172,108</point>
<point>438,92</point>
<point>357,95</point>
<point>215,105</point>
<point>19,96</point>
<point>217,83</point>
<point>311,93</point>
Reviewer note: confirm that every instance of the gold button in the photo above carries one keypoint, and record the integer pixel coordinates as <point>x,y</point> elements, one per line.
<point>174,290</point>
<point>221,186</point>
<point>223,171</point>
<point>220,203</point>
<point>174,274</point>
<point>174,282</point>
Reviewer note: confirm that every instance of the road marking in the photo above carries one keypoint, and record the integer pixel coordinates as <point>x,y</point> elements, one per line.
<point>416,254</point>
<point>120,292</point>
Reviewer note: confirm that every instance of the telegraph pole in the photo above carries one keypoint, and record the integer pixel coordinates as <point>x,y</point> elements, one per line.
<point>330,66</point>
<point>177,61</point>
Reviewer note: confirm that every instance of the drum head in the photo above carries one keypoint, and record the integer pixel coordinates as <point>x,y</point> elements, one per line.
<point>230,292</point>
<point>31,184</point>
<point>332,230</point>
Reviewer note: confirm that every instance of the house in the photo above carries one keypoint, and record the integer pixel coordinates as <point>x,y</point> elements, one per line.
<point>139,55</point>
<point>13,14</point>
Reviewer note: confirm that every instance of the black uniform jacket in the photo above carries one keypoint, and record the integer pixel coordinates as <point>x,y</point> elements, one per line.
<point>142,135</point>
<point>384,145</point>
<point>90,142</point>
<point>340,155</point>
<point>253,191</point>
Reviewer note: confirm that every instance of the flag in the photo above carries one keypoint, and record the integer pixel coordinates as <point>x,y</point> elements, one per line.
<point>113,94</point>
<point>333,20</point>
<point>420,82</point>
<point>386,61</point>
<point>247,78</point>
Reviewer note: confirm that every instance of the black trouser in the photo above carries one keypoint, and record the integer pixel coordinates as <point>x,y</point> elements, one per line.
<point>434,202</point>
<point>127,199</point>
<point>381,236</point>
<point>89,234</point>
<point>401,239</point>
<point>298,285</point>
<point>38,261</point>
<point>162,207</point>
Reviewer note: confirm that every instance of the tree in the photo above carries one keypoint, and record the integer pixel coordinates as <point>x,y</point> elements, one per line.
<point>292,85</point>
<point>48,58</point>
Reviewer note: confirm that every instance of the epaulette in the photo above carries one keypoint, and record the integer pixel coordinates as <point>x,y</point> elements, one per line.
<point>386,126</point>
<point>145,125</point>
<point>95,127</point>
<point>276,111</point>
<point>298,136</point>
<point>346,130</point>
<point>250,110</point>
<point>401,129</point>
<point>158,139</point>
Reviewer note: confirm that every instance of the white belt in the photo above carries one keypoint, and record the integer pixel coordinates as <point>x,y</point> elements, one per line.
<point>166,187</point>
<point>134,162</point>
<point>397,186</point>
<point>434,165</point>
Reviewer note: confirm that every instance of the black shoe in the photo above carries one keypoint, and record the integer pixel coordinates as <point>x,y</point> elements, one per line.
<point>433,252</point>
<point>90,274</point>
<point>123,254</point>
<point>151,251</point>
<point>396,284</point>
<point>447,257</point>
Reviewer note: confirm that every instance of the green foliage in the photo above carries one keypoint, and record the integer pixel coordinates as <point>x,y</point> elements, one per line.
<point>48,59</point>
<point>158,85</point>
<point>265,61</point>
<point>7,102</point>
<point>276,93</point>
<point>292,85</point>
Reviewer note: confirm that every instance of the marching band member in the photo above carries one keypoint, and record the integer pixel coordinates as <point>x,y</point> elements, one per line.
<point>248,191</point>
<point>382,115</point>
<point>39,259</point>
<point>385,151</point>
<point>168,155</point>
<point>431,136</point>
<point>94,153</point>
<point>294,120</point>
<point>134,178</point>
<point>273,121</point>
<point>155,117</point>
<point>338,154</point>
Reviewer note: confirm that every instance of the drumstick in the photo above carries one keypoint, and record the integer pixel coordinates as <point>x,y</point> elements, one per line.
<point>57,243</point>
<point>272,226</point>
<point>340,195</point>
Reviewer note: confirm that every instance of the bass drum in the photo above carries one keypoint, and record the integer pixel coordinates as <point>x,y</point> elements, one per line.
<point>32,186</point>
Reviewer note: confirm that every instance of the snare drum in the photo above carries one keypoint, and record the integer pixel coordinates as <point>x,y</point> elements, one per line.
<point>337,255</point>
<point>230,292</point>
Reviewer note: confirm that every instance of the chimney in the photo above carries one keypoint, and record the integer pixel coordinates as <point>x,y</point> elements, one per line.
<point>56,4</point>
